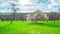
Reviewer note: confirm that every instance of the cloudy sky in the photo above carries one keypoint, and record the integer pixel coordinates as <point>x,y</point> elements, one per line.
<point>30,5</point>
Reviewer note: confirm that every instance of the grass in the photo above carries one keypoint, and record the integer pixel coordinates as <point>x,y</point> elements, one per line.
<point>27,27</point>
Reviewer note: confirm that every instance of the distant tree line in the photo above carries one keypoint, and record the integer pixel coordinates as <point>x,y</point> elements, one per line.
<point>37,15</point>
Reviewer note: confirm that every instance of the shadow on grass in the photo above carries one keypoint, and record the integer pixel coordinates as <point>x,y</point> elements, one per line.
<point>44,24</point>
<point>4,27</point>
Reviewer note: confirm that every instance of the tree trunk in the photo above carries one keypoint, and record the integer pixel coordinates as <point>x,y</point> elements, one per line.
<point>54,21</point>
<point>11,22</point>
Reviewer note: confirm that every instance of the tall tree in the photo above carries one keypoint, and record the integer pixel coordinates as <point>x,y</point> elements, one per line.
<point>39,15</point>
<point>14,9</point>
<point>53,16</point>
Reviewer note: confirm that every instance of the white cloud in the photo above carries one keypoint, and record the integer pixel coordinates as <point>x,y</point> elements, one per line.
<point>2,5</point>
<point>24,2</point>
<point>30,5</point>
<point>54,3</point>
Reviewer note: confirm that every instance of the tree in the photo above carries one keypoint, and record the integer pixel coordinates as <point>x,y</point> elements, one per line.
<point>39,15</point>
<point>53,16</point>
<point>14,9</point>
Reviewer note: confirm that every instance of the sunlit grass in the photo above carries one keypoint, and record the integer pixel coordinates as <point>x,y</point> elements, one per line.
<point>27,27</point>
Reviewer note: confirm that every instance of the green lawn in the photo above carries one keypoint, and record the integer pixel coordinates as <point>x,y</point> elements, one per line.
<point>27,27</point>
